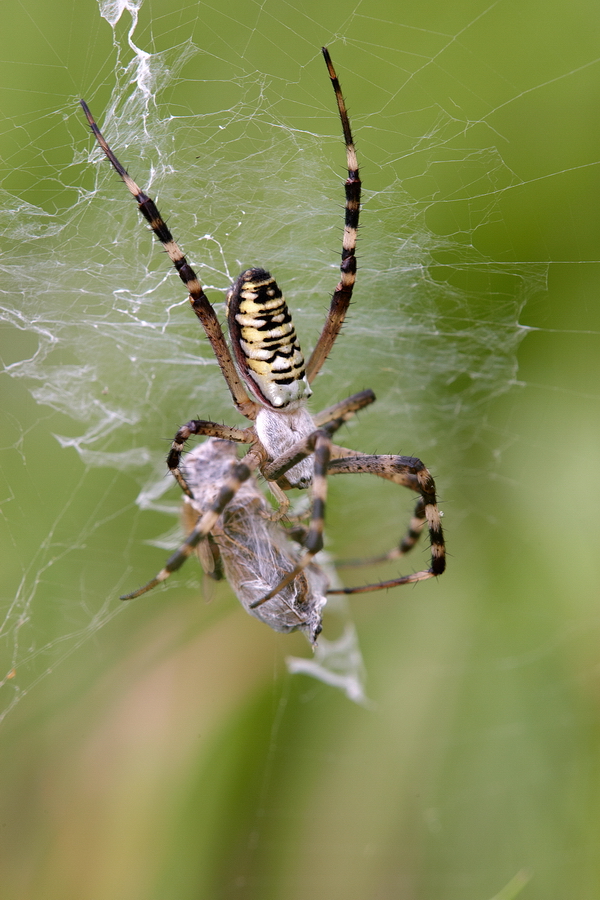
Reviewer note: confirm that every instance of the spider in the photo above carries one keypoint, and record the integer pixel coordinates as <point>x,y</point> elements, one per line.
<point>270,384</point>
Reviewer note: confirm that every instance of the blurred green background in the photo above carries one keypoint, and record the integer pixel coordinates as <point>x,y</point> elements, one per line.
<point>160,749</point>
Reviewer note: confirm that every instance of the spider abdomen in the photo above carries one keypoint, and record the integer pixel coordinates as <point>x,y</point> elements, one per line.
<point>265,345</point>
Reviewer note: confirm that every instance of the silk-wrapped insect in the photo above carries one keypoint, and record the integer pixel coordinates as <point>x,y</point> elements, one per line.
<point>248,547</point>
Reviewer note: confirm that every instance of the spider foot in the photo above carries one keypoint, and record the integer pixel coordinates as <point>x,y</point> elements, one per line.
<point>393,582</point>
<point>162,575</point>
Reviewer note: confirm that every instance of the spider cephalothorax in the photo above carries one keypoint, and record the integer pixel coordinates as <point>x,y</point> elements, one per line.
<point>270,383</point>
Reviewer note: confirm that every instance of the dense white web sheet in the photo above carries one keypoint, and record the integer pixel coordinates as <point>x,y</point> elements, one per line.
<point>248,170</point>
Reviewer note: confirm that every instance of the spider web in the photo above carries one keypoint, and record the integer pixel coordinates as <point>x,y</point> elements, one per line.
<point>165,751</point>
<point>234,132</point>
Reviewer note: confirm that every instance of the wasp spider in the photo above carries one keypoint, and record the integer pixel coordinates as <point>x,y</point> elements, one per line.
<point>270,384</point>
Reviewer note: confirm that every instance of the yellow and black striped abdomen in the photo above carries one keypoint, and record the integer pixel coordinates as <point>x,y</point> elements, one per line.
<point>265,346</point>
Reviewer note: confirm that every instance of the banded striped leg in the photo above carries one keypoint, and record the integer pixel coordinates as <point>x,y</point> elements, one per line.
<point>418,519</point>
<point>345,409</point>
<point>210,429</point>
<point>239,473</point>
<point>318,443</point>
<point>343,292</point>
<point>401,470</point>
<point>198,299</point>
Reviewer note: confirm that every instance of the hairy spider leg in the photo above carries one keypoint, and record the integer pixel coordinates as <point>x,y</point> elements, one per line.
<point>342,295</point>
<point>210,429</point>
<point>415,527</point>
<point>240,472</point>
<point>198,299</point>
<point>396,468</point>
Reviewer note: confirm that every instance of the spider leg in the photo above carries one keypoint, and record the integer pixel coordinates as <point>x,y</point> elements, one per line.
<point>342,295</point>
<point>402,470</point>
<point>240,472</point>
<point>318,443</point>
<point>345,408</point>
<point>283,502</point>
<point>198,299</point>
<point>208,550</point>
<point>417,521</point>
<point>210,429</point>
